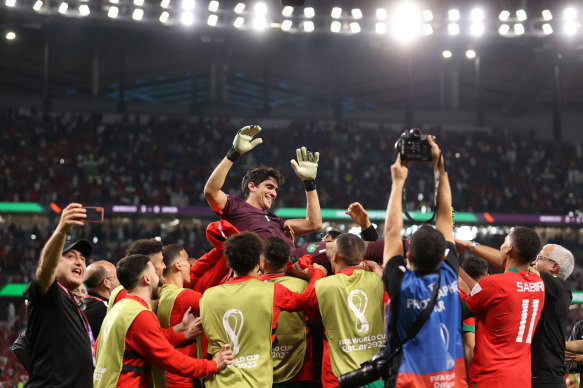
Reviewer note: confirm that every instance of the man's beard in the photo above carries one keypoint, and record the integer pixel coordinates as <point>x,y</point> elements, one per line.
<point>156,290</point>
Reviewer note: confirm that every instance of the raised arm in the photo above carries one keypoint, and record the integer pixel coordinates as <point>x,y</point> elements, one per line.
<point>306,169</point>
<point>491,255</point>
<point>394,218</point>
<point>74,214</point>
<point>215,196</point>
<point>443,213</point>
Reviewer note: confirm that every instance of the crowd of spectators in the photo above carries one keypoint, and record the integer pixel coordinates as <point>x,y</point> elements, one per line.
<point>167,162</point>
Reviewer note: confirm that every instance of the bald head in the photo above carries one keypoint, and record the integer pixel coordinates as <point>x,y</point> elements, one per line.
<point>101,278</point>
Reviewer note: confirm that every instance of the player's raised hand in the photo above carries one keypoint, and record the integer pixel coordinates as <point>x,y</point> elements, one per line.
<point>306,166</point>
<point>244,141</point>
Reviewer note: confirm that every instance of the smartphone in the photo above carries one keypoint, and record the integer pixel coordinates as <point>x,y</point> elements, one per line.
<point>94,214</point>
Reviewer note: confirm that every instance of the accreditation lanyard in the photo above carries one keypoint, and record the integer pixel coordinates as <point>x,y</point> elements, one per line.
<point>84,319</point>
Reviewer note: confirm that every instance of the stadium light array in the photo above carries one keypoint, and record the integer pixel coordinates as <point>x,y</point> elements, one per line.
<point>470,54</point>
<point>405,22</point>
<point>446,54</point>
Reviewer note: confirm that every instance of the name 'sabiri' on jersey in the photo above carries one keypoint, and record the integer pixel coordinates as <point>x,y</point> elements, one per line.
<point>530,287</point>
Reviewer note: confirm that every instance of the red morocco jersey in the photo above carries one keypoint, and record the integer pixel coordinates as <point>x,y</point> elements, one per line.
<point>508,307</point>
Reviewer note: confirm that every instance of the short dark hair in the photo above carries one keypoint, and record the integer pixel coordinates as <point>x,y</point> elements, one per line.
<point>276,251</point>
<point>96,277</point>
<point>333,233</point>
<point>526,242</point>
<point>258,175</point>
<point>171,253</point>
<point>242,251</point>
<point>130,268</point>
<point>427,248</point>
<point>475,266</point>
<point>350,248</point>
<point>146,247</point>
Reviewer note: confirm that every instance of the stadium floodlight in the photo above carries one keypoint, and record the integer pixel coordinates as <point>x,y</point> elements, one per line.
<point>336,12</point>
<point>518,29</point>
<point>355,27</point>
<point>356,13</point>
<point>138,3</point>
<point>547,15</point>
<point>453,29</point>
<point>335,26</point>
<point>84,10</point>
<point>504,29</point>
<point>187,18</point>
<point>114,1</point>
<point>382,14</point>
<point>427,15</point>
<point>260,9</point>
<point>521,15</point>
<point>477,15</point>
<point>10,3</point>
<point>164,16</point>
<point>165,4</point>
<point>504,15</point>
<point>238,23</point>
<point>406,22</point>
<point>381,28</point>
<point>309,26</point>
<point>470,54</point>
<point>454,15</point>
<point>259,23</point>
<point>214,6</point>
<point>112,12</point>
<point>547,29</point>
<point>570,28</point>
<point>188,5</point>
<point>37,5</point>
<point>286,25</point>
<point>477,29</point>
<point>570,14</point>
<point>287,11</point>
<point>10,35</point>
<point>138,14</point>
<point>63,8</point>
<point>239,8</point>
<point>309,12</point>
<point>212,20</point>
<point>427,29</point>
<point>446,54</point>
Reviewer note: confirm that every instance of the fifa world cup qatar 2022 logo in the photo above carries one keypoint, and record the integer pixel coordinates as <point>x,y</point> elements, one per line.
<point>233,323</point>
<point>357,302</point>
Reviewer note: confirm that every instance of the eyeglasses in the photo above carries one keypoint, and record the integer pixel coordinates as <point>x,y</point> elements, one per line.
<point>540,257</point>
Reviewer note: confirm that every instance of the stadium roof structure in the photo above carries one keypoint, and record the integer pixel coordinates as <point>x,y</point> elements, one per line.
<point>99,60</point>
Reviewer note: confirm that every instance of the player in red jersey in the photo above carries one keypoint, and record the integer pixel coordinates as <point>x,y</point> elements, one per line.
<point>508,307</point>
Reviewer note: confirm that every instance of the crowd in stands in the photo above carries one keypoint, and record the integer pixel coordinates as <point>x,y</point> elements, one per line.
<point>167,161</point>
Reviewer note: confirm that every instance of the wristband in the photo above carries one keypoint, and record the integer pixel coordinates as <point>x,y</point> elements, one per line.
<point>473,247</point>
<point>310,185</point>
<point>369,234</point>
<point>233,154</point>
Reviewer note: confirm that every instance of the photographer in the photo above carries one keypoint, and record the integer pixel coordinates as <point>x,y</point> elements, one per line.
<point>435,353</point>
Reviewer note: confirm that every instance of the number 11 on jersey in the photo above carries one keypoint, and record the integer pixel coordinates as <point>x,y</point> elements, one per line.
<point>524,318</point>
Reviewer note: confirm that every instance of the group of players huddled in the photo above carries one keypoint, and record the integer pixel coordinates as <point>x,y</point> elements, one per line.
<point>247,313</point>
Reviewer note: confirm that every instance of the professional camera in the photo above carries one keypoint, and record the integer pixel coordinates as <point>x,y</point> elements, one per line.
<point>413,145</point>
<point>375,368</point>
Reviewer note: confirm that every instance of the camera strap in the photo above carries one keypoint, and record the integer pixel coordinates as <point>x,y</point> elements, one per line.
<point>436,176</point>
<point>418,324</point>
